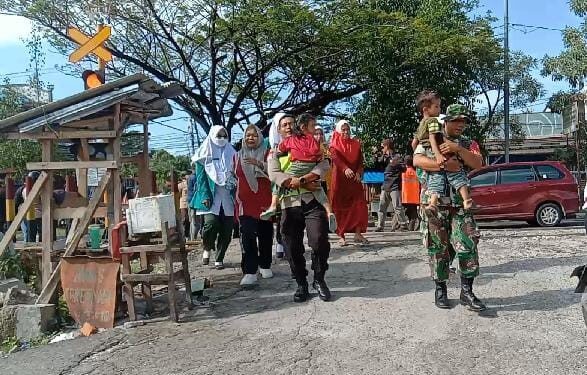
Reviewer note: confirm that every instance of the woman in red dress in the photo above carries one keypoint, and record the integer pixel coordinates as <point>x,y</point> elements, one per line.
<point>346,192</point>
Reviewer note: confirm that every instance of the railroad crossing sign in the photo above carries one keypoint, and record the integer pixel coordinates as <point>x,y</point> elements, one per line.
<point>89,44</point>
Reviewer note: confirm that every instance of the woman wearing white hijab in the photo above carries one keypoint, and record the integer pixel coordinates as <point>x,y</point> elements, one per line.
<point>214,197</point>
<point>253,195</point>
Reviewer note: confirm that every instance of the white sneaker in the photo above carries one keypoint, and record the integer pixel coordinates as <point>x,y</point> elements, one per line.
<point>266,273</point>
<point>249,279</point>
<point>219,265</point>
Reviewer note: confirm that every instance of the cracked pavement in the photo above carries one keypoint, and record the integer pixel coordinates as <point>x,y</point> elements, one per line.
<point>382,319</point>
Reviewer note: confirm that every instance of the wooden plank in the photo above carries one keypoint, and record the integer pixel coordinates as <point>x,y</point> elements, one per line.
<point>169,268</point>
<point>142,249</point>
<point>151,278</point>
<point>63,134</point>
<point>57,165</point>
<point>78,212</point>
<point>9,235</point>
<point>51,287</point>
<point>97,123</point>
<point>47,219</point>
<point>127,289</point>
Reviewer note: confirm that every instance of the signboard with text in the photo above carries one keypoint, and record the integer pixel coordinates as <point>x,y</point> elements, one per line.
<point>89,288</point>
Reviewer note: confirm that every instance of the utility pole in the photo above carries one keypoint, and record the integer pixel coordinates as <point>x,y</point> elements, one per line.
<point>192,139</point>
<point>506,84</point>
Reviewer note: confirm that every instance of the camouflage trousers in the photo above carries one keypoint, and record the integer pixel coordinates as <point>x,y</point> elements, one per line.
<point>450,229</point>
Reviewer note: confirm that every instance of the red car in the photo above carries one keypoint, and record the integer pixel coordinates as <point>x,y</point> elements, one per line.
<point>540,193</point>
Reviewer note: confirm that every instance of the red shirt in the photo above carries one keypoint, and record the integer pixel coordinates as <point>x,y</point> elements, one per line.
<point>248,203</point>
<point>303,148</point>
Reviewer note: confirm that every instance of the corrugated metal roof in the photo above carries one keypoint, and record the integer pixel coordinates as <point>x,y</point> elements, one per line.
<point>138,90</point>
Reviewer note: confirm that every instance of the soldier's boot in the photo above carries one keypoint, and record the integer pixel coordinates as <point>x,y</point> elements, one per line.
<point>468,298</point>
<point>441,295</point>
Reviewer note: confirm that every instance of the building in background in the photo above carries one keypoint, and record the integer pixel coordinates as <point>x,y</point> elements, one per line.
<point>544,135</point>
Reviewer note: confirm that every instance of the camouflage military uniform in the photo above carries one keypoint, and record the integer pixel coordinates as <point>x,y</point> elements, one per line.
<point>452,225</point>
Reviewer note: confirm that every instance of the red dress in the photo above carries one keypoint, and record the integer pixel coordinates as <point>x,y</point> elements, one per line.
<point>347,196</point>
<point>248,203</point>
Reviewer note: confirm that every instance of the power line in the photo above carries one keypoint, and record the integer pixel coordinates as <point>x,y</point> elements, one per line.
<point>535,27</point>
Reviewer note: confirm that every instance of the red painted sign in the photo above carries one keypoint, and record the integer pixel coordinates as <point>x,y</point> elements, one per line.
<point>89,288</point>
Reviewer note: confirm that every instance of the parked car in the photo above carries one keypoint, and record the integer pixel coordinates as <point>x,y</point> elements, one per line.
<point>541,193</point>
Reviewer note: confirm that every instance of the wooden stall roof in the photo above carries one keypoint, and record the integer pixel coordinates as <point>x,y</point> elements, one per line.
<point>141,98</point>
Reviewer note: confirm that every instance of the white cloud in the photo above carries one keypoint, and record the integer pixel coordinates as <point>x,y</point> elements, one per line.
<point>14,28</point>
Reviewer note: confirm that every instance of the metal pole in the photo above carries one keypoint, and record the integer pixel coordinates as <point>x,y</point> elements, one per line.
<point>506,85</point>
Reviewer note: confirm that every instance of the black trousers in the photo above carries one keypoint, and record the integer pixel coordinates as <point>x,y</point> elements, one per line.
<point>256,244</point>
<point>311,217</point>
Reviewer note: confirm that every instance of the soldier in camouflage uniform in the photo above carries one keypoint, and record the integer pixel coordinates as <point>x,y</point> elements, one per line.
<point>451,225</point>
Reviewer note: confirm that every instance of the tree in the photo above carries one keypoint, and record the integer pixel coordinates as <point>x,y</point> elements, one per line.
<point>14,154</point>
<point>571,64</point>
<point>162,162</point>
<point>453,53</point>
<point>559,101</point>
<point>238,61</point>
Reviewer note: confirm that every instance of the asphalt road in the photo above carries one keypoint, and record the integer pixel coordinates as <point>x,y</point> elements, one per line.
<point>382,319</point>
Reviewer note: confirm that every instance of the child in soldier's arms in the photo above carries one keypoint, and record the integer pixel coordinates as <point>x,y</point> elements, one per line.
<point>430,135</point>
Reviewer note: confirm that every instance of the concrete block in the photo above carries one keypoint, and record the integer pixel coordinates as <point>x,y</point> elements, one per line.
<point>34,320</point>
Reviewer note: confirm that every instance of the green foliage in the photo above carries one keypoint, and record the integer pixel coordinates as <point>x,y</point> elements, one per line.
<point>11,266</point>
<point>559,101</point>
<point>162,162</point>
<point>63,312</point>
<point>571,64</point>
<point>9,344</point>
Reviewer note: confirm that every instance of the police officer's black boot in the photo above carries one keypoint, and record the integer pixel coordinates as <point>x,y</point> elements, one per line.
<point>320,285</point>
<point>441,296</point>
<point>468,298</point>
<point>302,294</point>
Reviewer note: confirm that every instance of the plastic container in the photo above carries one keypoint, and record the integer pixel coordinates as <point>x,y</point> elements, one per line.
<point>95,232</point>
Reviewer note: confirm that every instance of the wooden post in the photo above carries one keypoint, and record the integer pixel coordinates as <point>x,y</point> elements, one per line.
<point>117,183</point>
<point>82,178</point>
<point>51,287</point>
<point>47,220</point>
<point>24,208</point>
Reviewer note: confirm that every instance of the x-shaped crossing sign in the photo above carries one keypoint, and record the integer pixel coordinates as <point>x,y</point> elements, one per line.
<point>89,45</point>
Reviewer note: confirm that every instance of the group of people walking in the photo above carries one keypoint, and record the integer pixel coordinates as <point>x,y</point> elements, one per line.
<point>292,184</point>
<point>291,179</point>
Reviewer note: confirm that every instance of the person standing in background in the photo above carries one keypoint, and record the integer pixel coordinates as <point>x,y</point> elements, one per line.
<point>34,226</point>
<point>391,195</point>
<point>195,220</point>
<point>411,194</point>
<point>183,204</point>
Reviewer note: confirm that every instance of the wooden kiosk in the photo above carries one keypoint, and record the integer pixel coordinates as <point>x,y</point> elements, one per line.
<point>101,113</point>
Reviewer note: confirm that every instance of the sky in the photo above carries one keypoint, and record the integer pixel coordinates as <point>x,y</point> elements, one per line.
<point>553,14</point>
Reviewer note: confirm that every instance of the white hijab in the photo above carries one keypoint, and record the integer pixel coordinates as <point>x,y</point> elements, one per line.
<point>340,124</point>
<point>274,136</point>
<point>217,160</point>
